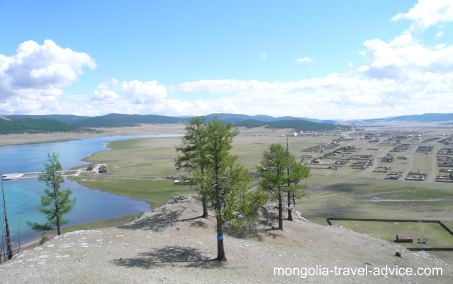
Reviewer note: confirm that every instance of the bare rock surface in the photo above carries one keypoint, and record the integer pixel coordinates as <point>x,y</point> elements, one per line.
<point>172,245</point>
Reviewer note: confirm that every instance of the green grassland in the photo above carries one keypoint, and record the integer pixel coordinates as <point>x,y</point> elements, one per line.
<point>437,236</point>
<point>138,169</point>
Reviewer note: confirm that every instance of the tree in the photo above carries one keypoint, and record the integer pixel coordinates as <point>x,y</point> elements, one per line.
<point>192,154</point>
<point>55,203</point>
<point>273,171</point>
<point>225,182</point>
<point>290,193</point>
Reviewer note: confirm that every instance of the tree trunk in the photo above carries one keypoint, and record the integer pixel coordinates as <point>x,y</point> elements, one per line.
<point>290,212</point>
<point>204,200</point>
<point>9,250</point>
<point>57,210</point>
<point>280,211</point>
<point>220,248</point>
<point>205,206</point>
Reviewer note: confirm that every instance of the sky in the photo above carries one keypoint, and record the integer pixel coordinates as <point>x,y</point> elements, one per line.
<point>328,59</point>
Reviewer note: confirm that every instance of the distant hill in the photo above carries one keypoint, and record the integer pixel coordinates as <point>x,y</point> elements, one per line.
<point>123,120</point>
<point>57,122</point>
<point>427,117</point>
<point>38,125</point>
<point>67,118</point>
<point>296,124</point>
<point>234,118</point>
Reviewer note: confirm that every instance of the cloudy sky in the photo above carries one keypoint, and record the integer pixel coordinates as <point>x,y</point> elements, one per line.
<point>325,59</point>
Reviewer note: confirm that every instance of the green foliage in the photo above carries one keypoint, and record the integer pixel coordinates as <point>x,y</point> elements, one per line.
<point>191,154</point>
<point>297,172</point>
<point>225,182</point>
<point>67,118</point>
<point>274,174</point>
<point>207,154</point>
<point>272,169</point>
<point>280,173</point>
<point>251,123</point>
<point>219,178</point>
<point>55,203</point>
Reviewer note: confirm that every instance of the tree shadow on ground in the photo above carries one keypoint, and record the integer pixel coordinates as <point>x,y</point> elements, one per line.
<point>170,255</point>
<point>159,221</point>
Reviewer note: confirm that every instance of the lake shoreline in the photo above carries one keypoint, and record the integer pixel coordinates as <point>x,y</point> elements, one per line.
<point>28,139</point>
<point>118,215</point>
<point>51,137</point>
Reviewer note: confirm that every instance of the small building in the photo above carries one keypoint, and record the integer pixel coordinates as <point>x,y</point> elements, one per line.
<point>403,238</point>
<point>102,169</point>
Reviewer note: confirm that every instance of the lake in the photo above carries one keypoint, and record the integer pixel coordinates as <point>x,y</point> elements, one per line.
<point>23,196</point>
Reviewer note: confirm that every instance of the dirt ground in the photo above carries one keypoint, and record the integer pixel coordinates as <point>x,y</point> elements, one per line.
<point>172,245</point>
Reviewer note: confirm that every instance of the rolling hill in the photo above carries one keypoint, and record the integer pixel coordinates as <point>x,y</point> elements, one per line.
<point>426,117</point>
<point>296,124</point>
<point>66,118</point>
<point>234,118</point>
<point>122,120</point>
<point>55,123</point>
<point>35,125</point>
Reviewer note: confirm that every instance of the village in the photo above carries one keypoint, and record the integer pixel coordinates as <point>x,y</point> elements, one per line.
<point>383,154</point>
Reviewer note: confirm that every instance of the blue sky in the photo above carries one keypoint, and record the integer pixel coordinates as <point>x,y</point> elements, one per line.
<point>304,58</point>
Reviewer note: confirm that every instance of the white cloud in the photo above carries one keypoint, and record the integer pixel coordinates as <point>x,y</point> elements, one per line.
<point>36,74</point>
<point>264,55</point>
<point>142,92</point>
<point>132,97</point>
<point>137,92</point>
<point>427,13</point>
<point>304,60</point>
<point>404,56</point>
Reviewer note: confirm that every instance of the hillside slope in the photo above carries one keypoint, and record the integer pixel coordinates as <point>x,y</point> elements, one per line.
<point>171,245</point>
<point>296,124</point>
<point>35,125</point>
<point>122,120</point>
<point>424,118</point>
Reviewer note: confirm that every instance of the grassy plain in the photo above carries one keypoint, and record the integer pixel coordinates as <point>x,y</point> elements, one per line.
<point>137,168</point>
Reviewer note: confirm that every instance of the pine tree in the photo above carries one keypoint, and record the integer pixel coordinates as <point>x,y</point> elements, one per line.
<point>55,203</point>
<point>225,182</point>
<point>273,171</point>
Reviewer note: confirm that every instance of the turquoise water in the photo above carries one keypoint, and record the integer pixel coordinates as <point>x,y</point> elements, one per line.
<point>23,196</point>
